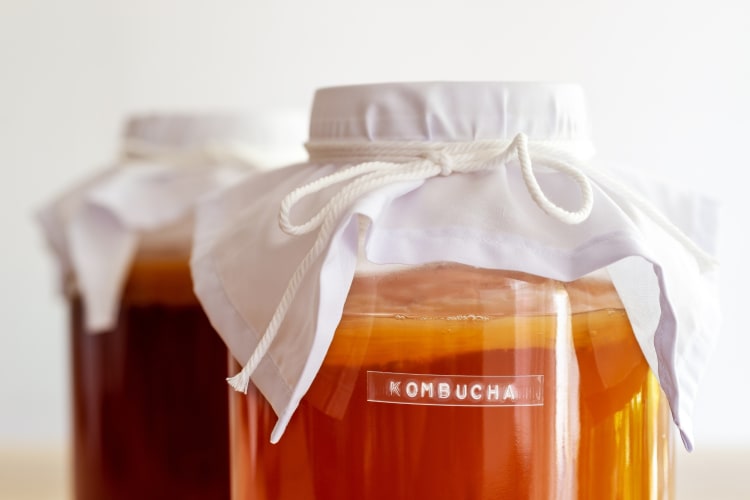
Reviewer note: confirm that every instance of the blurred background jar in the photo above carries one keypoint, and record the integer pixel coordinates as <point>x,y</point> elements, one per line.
<point>143,426</point>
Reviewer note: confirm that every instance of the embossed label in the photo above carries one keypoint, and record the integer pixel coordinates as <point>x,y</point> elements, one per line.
<point>455,390</point>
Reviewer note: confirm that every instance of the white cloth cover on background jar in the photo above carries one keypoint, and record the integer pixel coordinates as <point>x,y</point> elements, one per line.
<point>493,175</point>
<point>143,203</point>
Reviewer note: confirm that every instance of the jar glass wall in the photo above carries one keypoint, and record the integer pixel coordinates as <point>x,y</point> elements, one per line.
<point>144,425</point>
<point>449,381</point>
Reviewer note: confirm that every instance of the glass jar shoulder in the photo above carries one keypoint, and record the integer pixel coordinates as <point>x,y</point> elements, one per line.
<point>453,290</point>
<point>446,309</point>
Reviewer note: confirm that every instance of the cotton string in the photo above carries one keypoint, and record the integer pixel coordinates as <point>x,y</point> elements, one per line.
<point>380,164</point>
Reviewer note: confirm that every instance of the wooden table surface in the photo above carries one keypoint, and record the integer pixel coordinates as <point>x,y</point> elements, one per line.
<point>707,474</point>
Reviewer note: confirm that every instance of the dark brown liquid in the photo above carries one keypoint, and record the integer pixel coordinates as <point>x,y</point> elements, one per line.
<point>149,398</point>
<point>602,431</point>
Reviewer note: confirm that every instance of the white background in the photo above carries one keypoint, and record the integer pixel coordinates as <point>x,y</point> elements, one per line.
<point>668,84</point>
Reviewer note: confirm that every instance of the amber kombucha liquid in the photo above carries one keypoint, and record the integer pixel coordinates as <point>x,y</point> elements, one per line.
<point>595,426</point>
<point>149,398</point>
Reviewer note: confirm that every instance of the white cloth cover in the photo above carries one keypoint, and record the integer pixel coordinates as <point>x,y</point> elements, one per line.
<point>143,204</point>
<point>243,261</point>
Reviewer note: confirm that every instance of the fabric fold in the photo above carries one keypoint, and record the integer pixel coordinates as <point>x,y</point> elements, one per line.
<point>436,220</point>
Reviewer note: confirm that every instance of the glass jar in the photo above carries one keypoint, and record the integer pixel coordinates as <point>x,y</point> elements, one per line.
<point>424,362</point>
<point>149,400</point>
<point>451,381</point>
